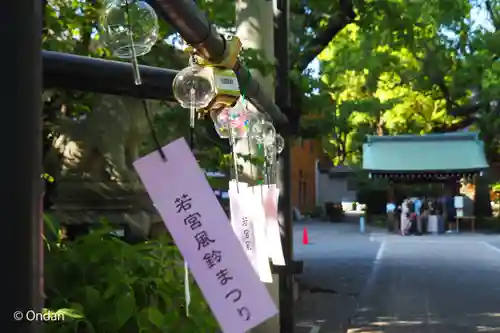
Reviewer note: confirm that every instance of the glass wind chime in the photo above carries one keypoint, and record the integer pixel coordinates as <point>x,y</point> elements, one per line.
<point>130,30</point>
<point>195,89</point>
<point>238,123</point>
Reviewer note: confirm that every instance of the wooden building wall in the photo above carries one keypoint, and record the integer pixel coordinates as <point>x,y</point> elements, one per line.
<point>304,156</point>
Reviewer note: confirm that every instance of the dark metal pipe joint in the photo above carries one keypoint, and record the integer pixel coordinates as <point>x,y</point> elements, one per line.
<point>197,31</point>
<point>193,26</point>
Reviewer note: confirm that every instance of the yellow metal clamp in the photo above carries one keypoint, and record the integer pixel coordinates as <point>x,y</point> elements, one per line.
<point>227,89</point>
<point>233,49</point>
<point>222,74</point>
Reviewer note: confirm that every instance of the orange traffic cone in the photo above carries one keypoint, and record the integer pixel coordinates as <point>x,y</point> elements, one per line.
<point>305,237</point>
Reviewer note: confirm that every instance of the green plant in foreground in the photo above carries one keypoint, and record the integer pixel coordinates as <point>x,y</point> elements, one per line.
<point>104,285</point>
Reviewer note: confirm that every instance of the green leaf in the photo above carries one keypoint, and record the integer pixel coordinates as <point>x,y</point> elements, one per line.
<point>69,313</point>
<point>52,225</point>
<point>125,308</point>
<point>92,296</point>
<point>155,317</point>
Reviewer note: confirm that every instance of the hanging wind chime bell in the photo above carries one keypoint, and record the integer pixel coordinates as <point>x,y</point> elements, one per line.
<point>194,87</point>
<point>130,29</point>
<point>279,143</point>
<point>263,133</point>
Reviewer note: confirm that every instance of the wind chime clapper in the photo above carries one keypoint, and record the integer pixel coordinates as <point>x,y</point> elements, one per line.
<point>130,29</point>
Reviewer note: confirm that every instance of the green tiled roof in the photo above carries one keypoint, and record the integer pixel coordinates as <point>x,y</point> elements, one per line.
<point>420,153</point>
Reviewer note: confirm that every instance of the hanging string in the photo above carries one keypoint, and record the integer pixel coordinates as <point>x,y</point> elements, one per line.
<point>152,131</point>
<point>272,165</point>
<point>250,157</point>
<point>192,123</point>
<point>192,109</point>
<point>267,166</point>
<point>243,94</point>
<point>135,62</point>
<point>249,142</point>
<point>232,142</point>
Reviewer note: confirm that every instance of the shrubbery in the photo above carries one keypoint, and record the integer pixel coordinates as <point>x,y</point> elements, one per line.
<point>107,285</point>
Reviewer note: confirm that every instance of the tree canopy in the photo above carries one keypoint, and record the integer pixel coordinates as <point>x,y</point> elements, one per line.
<point>386,67</point>
<point>407,67</point>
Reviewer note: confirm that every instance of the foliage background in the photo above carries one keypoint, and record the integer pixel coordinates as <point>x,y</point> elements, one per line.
<point>385,67</point>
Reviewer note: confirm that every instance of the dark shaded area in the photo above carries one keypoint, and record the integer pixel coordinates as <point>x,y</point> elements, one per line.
<point>21,197</point>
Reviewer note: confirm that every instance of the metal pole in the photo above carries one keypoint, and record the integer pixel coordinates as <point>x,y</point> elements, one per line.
<point>282,95</point>
<point>72,72</point>
<point>20,95</point>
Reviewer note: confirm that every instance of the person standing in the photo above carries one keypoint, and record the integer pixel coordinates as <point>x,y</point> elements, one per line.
<point>390,208</point>
<point>424,215</point>
<point>405,220</point>
<point>451,213</point>
<point>397,218</point>
<point>418,206</point>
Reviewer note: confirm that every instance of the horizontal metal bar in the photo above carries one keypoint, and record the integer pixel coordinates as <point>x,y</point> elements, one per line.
<point>68,71</point>
<point>293,268</point>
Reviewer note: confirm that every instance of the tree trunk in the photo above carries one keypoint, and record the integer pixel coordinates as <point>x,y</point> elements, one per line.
<point>255,28</point>
<point>482,201</point>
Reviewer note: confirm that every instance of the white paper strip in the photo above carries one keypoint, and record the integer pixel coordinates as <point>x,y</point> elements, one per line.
<point>249,224</point>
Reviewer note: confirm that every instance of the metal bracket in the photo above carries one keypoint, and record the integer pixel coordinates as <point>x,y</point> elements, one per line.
<point>233,48</point>
<point>294,268</point>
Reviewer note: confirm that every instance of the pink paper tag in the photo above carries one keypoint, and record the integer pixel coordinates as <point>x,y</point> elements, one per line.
<point>186,202</point>
<point>269,195</point>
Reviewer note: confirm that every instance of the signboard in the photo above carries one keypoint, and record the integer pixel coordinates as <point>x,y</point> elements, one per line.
<point>458,202</point>
<point>186,202</point>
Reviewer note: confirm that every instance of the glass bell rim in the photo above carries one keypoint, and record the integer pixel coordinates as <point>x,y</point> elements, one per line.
<point>140,50</point>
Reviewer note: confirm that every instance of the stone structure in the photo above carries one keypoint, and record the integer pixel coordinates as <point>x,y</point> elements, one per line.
<point>92,161</point>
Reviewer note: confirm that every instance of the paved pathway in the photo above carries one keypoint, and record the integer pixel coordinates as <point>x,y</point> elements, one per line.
<point>386,283</point>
